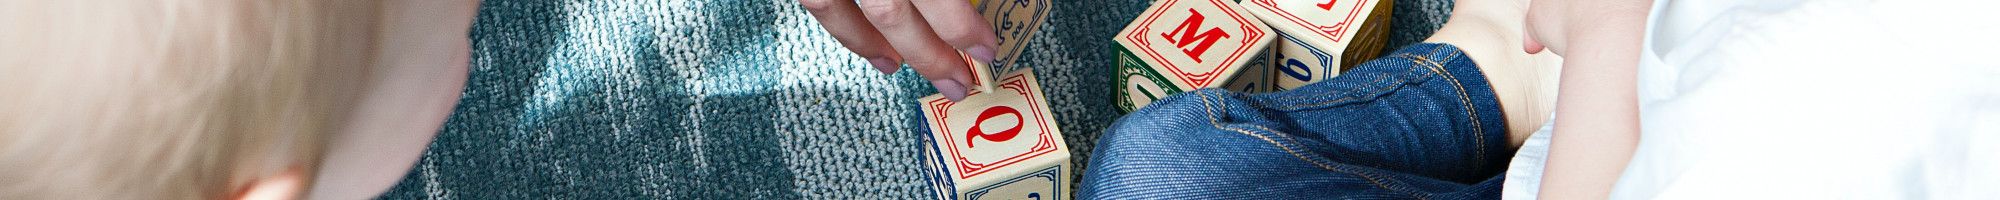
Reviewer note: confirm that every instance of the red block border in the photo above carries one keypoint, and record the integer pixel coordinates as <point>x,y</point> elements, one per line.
<point>1330,35</point>
<point>967,168</point>
<point>1197,79</point>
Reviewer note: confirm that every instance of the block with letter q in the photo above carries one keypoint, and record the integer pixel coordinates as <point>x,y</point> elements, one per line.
<point>996,144</point>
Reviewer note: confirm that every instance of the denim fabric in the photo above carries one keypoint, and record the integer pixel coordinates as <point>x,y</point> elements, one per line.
<point>1420,123</point>
<point>729,99</point>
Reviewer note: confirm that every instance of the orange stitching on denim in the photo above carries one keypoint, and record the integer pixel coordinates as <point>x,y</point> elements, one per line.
<point>1383,183</point>
<point>1464,100</point>
<point>1209,109</point>
<point>1349,96</point>
<point>1346,96</point>
<point>1367,85</point>
<point>1477,126</point>
<point>1343,93</point>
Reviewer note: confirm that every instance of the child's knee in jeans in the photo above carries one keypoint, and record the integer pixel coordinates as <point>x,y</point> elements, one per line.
<point>1193,109</point>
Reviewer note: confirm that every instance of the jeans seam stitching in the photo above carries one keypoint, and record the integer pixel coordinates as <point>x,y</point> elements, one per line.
<point>1209,109</point>
<point>1350,96</point>
<point>1372,177</point>
<point>1464,101</point>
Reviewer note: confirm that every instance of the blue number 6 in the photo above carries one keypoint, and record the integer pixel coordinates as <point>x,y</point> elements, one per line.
<point>1297,70</point>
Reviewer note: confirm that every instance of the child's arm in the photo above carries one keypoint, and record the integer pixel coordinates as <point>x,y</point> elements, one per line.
<point>1597,101</point>
<point>1599,126</point>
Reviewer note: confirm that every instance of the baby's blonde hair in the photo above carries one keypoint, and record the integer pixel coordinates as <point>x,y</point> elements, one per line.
<point>170,99</point>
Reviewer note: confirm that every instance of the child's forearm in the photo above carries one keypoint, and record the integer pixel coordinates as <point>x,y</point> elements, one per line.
<point>1597,127</point>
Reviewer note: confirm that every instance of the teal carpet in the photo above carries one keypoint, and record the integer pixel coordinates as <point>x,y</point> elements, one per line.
<point>728,99</point>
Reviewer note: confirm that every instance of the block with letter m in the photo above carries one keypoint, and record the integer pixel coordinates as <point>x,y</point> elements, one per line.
<point>1192,44</point>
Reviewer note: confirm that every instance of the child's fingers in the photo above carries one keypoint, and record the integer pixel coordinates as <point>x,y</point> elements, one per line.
<point>843,20</point>
<point>960,25</point>
<point>912,37</point>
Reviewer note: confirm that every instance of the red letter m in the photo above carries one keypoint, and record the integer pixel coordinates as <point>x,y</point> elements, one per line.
<point>1188,36</point>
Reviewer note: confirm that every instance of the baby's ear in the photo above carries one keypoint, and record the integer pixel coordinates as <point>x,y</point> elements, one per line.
<point>286,185</point>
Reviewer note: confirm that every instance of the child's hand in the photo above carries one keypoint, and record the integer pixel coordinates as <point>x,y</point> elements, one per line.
<point>927,34</point>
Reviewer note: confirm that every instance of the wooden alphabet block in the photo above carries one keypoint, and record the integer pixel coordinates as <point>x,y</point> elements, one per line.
<point>996,144</point>
<point>1191,44</point>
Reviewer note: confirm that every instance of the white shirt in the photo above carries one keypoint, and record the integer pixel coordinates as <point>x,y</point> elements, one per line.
<point>1797,99</point>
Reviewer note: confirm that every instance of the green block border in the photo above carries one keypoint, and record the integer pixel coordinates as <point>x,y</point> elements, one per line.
<point>1128,65</point>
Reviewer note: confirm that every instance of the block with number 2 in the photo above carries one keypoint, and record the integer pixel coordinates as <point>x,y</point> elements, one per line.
<point>996,144</point>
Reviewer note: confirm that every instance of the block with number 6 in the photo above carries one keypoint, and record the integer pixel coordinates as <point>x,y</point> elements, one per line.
<point>1192,44</point>
<point>1320,38</point>
<point>1298,63</point>
<point>996,144</point>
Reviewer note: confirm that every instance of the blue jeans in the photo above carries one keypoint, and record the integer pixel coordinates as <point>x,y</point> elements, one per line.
<point>1419,123</point>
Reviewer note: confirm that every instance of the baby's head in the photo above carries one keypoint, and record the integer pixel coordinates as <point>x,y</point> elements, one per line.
<point>173,99</point>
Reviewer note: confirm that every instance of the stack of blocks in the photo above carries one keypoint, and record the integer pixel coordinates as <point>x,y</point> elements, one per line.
<point>1183,45</point>
<point>1001,141</point>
